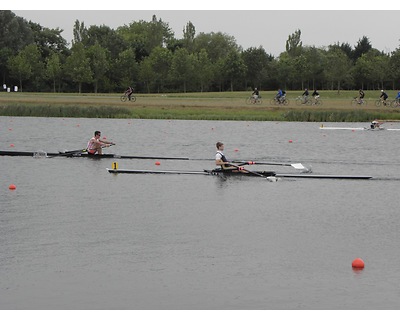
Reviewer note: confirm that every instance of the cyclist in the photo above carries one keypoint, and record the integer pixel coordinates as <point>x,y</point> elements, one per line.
<point>361,96</point>
<point>279,96</point>
<point>398,96</point>
<point>255,95</point>
<point>129,92</point>
<point>383,96</point>
<point>315,94</point>
<point>305,94</point>
<point>283,98</point>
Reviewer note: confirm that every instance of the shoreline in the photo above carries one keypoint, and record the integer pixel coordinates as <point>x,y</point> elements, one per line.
<point>193,106</point>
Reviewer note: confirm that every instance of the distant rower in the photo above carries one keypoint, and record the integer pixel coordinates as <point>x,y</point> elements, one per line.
<point>375,124</point>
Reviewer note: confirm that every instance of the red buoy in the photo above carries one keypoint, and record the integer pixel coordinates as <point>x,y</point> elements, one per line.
<point>12,187</point>
<point>157,163</point>
<point>290,141</point>
<point>358,263</point>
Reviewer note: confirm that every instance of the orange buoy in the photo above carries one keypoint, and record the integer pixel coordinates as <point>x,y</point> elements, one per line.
<point>12,187</point>
<point>358,263</point>
<point>157,163</point>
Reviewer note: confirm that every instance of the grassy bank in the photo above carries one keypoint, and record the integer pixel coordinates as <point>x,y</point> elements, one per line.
<point>195,106</point>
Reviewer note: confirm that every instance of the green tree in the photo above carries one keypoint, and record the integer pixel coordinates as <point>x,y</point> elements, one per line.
<point>233,68</point>
<point>127,68</point>
<point>285,70</point>
<point>99,63</point>
<point>363,70</point>
<point>294,44</point>
<point>301,69</point>
<point>338,68</point>
<point>107,38</point>
<point>182,67</point>
<point>395,65</point>
<point>217,45</point>
<point>77,66</point>
<point>315,61</point>
<point>362,47</point>
<point>381,69</point>
<point>345,47</point>
<point>15,34</point>
<point>256,61</point>
<point>53,68</point>
<point>189,33</point>
<point>204,70</point>
<point>160,59</point>
<point>79,31</point>
<point>48,40</point>
<point>27,65</point>
<point>144,36</point>
<point>20,68</point>
<point>146,73</point>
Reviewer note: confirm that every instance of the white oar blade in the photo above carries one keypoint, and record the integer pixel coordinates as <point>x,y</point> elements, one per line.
<point>298,166</point>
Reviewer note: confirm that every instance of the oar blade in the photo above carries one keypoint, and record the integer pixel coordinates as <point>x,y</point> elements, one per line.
<point>298,166</point>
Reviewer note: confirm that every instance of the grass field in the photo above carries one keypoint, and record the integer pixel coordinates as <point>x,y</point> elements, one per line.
<point>196,106</point>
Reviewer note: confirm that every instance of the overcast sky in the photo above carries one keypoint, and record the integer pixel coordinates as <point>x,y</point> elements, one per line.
<point>269,26</point>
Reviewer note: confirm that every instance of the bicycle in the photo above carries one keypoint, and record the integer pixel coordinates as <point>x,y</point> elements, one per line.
<point>303,100</point>
<point>125,98</point>
<point>395,103</point>
<point>381,102</point>
<point>316,102</point>
<point>252,100</point>
<point>282,100</point>
<point>358,101</point>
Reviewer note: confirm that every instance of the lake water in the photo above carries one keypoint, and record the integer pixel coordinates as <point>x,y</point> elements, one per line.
<point>73,236</point>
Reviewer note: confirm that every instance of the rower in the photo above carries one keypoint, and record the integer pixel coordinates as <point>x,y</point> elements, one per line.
<point>375,124</point>
<point>220,159</point>
<point>95,145</point>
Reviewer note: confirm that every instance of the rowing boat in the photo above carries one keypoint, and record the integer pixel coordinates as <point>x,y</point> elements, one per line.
<point>70,154</point>
<point>239,173</point>
<point>204,172</point>
<point>357,129</point>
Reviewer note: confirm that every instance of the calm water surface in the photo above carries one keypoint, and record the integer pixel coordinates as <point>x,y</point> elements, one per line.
<point>73,236</point>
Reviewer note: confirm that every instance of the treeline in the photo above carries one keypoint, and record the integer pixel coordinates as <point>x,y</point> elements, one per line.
<point>148,56</point>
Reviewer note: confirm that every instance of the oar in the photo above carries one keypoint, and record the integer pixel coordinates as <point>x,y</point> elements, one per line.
<point>298,166</point>
<point>252,172</point>
<point>77,152</point>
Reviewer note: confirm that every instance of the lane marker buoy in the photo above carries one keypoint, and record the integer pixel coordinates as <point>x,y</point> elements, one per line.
<point>358,263</point>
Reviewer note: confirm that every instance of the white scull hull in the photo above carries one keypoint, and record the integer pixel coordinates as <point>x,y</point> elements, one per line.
<point>357,129</point>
